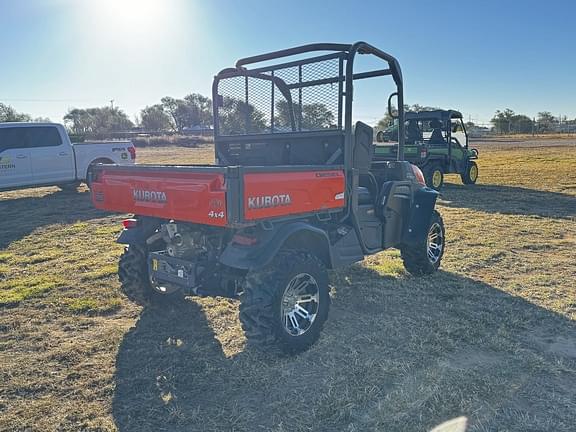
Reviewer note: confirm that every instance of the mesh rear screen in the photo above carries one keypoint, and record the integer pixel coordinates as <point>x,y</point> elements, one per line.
<point>261,105</point>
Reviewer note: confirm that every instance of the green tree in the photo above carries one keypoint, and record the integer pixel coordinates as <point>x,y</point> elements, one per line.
<point>41,120</point>
<point>9,114</point>
<point>387,120</point>
<point>314,116</point>
<point>317,116</point>
<point>508,121</point>
<point>384,123</point>
<point>193,110</point>
<point>176,109</point>
<point>200,109</point>
<point>502,121</point>
<point>154,118</point>
<point>91,121</point>
<point>237,117</point>
<point>546,121</point>
<point>521,123</point>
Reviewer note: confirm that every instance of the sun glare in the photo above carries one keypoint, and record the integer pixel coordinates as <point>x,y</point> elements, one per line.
<point>136,16</point>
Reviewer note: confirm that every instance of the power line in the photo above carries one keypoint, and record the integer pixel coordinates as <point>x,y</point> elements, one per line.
<point>46,100</point>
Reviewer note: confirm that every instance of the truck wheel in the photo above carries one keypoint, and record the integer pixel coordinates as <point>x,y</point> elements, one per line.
<point>424,258</point>
<point>471,174</point>
<point>434,176</point>
<point>134,282</point>
<point>286,303</point>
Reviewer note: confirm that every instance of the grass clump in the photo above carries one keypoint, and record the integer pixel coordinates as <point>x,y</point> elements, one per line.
<point>36,258</point>
<point>101,273</point>
<point>17,290</point>
<point>5,257</point>
<point>92,306</point>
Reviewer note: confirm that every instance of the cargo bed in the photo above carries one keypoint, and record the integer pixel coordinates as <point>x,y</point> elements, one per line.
<point>218,195</point>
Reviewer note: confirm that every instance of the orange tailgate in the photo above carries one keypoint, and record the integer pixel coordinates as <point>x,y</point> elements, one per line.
<point>198,197</point>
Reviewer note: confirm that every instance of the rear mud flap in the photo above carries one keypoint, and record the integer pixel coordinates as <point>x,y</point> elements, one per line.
<point>423,205</point>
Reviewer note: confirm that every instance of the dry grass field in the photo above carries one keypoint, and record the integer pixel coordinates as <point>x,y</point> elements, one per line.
<point>492,336</point>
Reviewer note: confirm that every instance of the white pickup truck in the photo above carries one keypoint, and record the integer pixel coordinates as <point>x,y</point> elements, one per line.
<point>41,154</point>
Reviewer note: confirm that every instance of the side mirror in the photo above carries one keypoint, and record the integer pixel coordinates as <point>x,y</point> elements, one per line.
<point>390,110</point>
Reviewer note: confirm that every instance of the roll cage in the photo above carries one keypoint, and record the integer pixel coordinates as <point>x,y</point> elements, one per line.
<point>308,97</point>
<point>445,117</point>
<point>442,115</point>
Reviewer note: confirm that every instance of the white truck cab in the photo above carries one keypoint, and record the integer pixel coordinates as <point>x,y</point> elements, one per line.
<point>41,154</point>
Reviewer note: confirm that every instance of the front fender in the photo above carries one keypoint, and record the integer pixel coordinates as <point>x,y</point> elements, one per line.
<point>271,241</point>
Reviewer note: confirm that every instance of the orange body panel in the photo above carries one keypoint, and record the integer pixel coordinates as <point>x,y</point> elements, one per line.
<point>185,196</point>
<point>207,197</point>
<point>274,194</point>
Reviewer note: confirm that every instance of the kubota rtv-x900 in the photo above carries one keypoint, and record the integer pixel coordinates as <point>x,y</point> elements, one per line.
<point>294,192</point>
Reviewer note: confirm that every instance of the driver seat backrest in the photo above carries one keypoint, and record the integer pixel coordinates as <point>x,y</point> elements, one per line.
<point>437,137</point>
<point>413,133</point>
<point>363,147</point>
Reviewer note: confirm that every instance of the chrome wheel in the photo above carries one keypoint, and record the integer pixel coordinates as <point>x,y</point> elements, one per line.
<point>437,179</point>
<point>473,173</point>
<point>300,303</point>
<point>435,242</point>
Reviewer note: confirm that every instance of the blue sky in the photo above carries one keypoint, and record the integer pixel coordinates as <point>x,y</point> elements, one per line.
<point>473,56</point>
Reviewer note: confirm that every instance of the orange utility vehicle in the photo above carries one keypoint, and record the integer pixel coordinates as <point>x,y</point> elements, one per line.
<point>294,192</point>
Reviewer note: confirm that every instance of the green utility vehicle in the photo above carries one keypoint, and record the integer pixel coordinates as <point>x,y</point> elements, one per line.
<point>436,141</point>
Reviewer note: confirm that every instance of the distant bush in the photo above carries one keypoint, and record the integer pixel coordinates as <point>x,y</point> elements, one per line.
<point>170,140</point>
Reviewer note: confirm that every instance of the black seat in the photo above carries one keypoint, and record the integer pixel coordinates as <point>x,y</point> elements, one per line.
<point>362,161</point>
<point>364,196</point>
<point>413,132</point>
<point>437,138</point>
<point>363,152</point>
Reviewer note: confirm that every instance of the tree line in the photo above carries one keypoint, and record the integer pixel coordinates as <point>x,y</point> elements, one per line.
<point>9,114</point>
<point>194,112</point>
<point>503,122</point>
<point>170,115</point>
<point>509,122</point>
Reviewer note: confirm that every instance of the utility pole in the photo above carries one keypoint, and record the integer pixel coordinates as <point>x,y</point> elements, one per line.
<point>112,104</point>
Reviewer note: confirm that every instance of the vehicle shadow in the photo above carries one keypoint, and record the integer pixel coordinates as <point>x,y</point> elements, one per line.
<point>26,211</point>
<point>509,200</point>
<point>396,354</point>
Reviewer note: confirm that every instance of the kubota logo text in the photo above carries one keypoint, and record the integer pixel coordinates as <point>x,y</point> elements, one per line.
<point>150,196</point>
<point>269,201</point>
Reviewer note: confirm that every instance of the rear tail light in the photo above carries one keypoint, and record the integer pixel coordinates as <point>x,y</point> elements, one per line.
<point>132,151</point>
<point>244,240</point>
<point>130,223</point>
<point>418,174</point>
